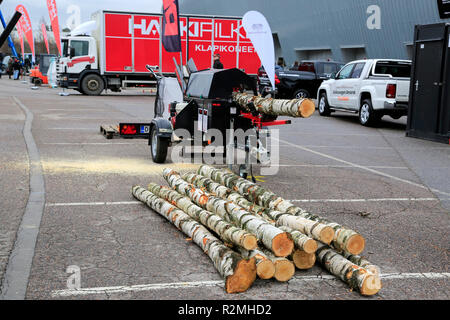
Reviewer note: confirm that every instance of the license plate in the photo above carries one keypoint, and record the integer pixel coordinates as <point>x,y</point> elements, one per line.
<point>145,129</point>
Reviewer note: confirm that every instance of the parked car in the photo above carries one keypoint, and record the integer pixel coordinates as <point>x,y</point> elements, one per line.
<point>372,88</point>
<point>301,83</point>
<point>4,64</point>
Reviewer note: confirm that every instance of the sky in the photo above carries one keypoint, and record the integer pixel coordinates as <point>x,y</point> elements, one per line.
<point>37,9</point>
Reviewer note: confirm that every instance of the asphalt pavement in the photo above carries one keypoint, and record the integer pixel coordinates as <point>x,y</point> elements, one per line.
<point>394,190</point>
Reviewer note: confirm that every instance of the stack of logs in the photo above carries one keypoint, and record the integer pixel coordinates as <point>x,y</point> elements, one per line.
<point>248,231</point>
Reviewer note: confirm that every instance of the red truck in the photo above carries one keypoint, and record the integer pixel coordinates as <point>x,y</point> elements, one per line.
<point>114,56</point>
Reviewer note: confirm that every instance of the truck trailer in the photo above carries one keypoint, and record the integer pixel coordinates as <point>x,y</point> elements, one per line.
<point>115,54</point>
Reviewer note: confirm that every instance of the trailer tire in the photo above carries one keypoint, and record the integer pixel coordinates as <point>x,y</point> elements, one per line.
<point>92,85</point>
<point>158,146</point>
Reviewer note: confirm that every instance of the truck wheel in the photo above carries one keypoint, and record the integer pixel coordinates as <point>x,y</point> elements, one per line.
<point>367,116</point>
<point>324,107</point>
<point>92,85</point>
<point>301,94</point>
<point>158,147</point>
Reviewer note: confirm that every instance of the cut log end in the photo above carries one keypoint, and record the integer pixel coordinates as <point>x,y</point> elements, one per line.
<point>310,246</point>
<point>327,235</point>
<point>250,242</point>
<point>282,245</point>
<point>243,277</point>
<point>355,244</point>
<point>303,260</point>
<point>265,269</point>
<point>284,270</point>
<point>371,285</point>
<point>307,108</point>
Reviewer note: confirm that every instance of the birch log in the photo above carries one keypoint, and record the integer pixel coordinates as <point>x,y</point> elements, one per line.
<point>284,268</point>
<point>303,260</point>
<point>265,268</point>
<point>363,263</point>
<point>202,182</point>
<point>301,241</point>
<point>344,239</point>
<point>226,231</point>
<point>355,276</point>
<point>239,273</point>
<point>313,229</point>
<point>297,108</point>
<point>279,242</point>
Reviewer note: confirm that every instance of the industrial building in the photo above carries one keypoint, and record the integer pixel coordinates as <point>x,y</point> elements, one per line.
<point>340,30</point>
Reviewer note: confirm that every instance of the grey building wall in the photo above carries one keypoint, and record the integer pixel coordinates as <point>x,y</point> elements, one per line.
<point>336,29</point>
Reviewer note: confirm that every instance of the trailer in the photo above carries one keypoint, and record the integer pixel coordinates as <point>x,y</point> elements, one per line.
<point>113,55</point>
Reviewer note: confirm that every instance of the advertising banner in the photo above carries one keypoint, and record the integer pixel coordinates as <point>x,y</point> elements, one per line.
<point>44,34</point>
<point>22,45</point>
<point>53,13</point>
<point>25,26</point>
<point>171,37</point>
<point>260,34</point>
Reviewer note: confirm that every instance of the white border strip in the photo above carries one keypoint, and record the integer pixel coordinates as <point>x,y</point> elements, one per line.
<point>203,284</point>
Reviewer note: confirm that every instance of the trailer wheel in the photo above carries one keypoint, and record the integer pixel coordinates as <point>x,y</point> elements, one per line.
<point>243,171</point>
<point>158,147</point>
<point>92,85</point>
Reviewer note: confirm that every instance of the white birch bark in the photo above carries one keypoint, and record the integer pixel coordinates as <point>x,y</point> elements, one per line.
<point>345,239</point>
<point>313,229</point>
<point>273,238</point>
<point>226,231</point>
<point>297,108</point>
<point>239,274</point>
<point>355,276</point>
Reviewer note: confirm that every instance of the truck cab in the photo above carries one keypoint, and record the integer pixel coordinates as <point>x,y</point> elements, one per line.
<point>78,60</point>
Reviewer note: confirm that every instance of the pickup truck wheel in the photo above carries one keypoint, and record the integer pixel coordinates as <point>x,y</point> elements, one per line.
<point>158,147</point>
<point>324,107</point>
<point>301,94</point>
<point>367,116</point>
<point>92,85</point>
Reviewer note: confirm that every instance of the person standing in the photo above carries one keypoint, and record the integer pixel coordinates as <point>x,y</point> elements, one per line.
<point>217,63</point>
<point>16,68</point>
<point>9,70</point>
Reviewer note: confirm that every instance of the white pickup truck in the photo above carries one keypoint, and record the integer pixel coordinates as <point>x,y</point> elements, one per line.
<point>371,88</point>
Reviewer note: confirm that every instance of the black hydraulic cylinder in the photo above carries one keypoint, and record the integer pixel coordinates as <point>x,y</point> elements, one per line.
<point>10,27</point>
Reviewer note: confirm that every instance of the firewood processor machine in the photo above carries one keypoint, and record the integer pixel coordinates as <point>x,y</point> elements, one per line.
<point>203,102</point>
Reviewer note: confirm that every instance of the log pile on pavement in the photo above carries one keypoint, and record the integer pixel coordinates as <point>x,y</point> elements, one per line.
<point>249,232</point>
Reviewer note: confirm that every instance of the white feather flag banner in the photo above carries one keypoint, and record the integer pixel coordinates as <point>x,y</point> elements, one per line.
<point>260,34</point>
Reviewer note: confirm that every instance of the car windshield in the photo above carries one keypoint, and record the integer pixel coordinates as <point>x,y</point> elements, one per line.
<point>328,68</point>
<point>395,69</point>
